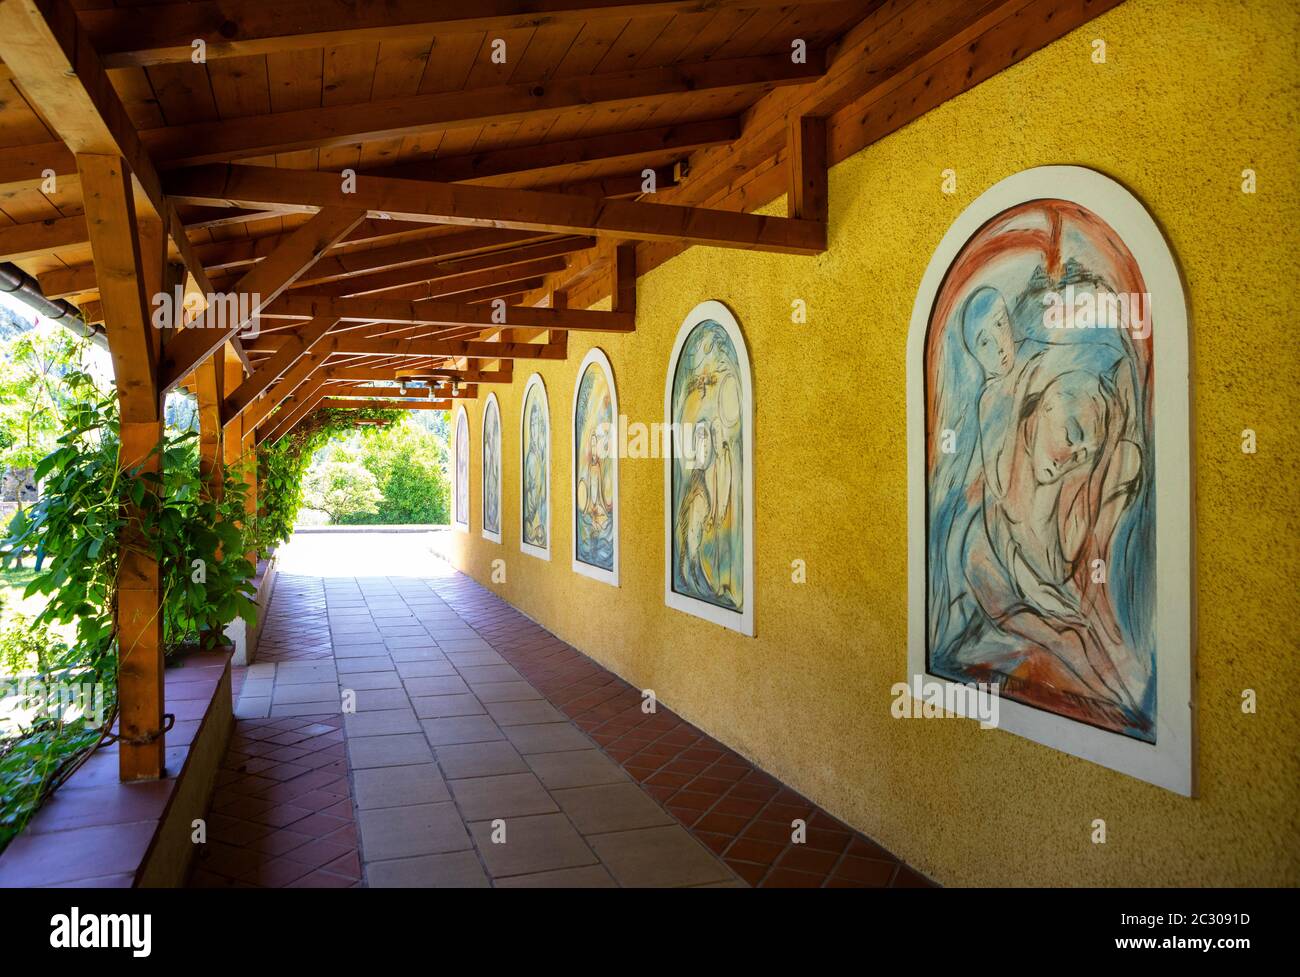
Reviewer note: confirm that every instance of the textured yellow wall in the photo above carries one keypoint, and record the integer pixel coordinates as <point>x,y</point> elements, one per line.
<point>1190,95</point>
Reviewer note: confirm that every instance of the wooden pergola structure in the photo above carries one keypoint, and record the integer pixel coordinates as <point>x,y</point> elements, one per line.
<point>422,191</point>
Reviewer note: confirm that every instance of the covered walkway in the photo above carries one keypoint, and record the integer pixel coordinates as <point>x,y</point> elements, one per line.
<point>482,751</point>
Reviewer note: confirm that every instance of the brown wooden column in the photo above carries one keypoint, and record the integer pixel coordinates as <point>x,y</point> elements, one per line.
<point>250,476</point>
<point>116,246</point>
<point>209,388</point>
<point>807,197</point>
<point>232,371</point>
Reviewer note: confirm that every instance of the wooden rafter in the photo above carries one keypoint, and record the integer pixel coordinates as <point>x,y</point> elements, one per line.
<point>299,345</point>
<point>256,290</point>
<point>529,210</point>
<point>333,403</point>
<point>309,306</point>
<point>451,269</point>
<point>898,62</point>
<point>283,388</point>
<point>232,28</point>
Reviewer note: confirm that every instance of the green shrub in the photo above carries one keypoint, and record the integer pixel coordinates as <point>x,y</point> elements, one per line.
<point>25,646</point>
<point>410,467</point>
<point>341,488</point>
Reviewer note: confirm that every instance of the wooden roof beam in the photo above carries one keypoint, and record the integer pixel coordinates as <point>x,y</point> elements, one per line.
<point>303,370</point>
<point>364,390</point>
<point>260,286</point>
<point>334,403</point>
<point>302,343</point>
<point>529,210</point>
<point>437,313</point>
<point>454,270</point>
<point>232,28</point>
<point>19,241</point>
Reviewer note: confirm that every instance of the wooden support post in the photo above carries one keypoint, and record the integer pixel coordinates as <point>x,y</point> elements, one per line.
<point>250,476</point>
<point>232,371</point>
<point>807,198</point>
<point>623,290</point>
<point>121,267</point>
<point>559,300</point>
<point>209,385</point>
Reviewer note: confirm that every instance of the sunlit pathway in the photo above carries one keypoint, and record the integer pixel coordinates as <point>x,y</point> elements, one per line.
<point>478,749</point>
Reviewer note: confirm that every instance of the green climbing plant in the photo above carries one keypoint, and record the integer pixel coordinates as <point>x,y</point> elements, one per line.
<point>92,511</point>
<point>283,465</point>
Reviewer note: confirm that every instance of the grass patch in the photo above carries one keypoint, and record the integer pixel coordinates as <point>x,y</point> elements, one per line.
<point>13,581</point>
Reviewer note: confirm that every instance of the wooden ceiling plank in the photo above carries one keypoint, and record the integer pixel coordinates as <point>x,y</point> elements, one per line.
<point>20,241</point>
<point>346,125</point>
<point>231,28</point>
<point>59,71</point>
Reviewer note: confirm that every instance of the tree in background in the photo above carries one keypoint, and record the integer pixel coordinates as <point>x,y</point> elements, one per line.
<point>409,463</point>
<point>38,368</point>
<point>341,487</point>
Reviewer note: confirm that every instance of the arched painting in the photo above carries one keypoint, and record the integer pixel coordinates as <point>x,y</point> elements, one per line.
<point>595,470</point>
<point>460,487</point>
<point>708,471</point>
<point>1047,403</point>
<point>492,470</point>
<point>535,466</point>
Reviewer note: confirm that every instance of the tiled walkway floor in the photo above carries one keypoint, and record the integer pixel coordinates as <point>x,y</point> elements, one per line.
<point>481,750</point>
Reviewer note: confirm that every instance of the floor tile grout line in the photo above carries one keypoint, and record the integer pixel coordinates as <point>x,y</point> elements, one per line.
<point>492,879</point>
<point>347,751</point>
<point>600,747</point>
<point>474,845</point>
<point>896,866</point>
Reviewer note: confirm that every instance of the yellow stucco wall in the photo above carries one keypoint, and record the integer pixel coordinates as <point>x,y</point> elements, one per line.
<point>1191,94</point>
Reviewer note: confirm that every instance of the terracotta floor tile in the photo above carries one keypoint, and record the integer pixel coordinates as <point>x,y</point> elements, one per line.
<point>866,871</point>
<point>283,814</point>
<point>780,878</point>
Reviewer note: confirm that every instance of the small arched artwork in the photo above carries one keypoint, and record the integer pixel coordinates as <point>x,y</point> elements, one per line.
<point>492,469</point>
<point>460,487</point>
<point>535,467</point>
<point>595,470</point>
<point>708,471</point>
<point>1049,511</point>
